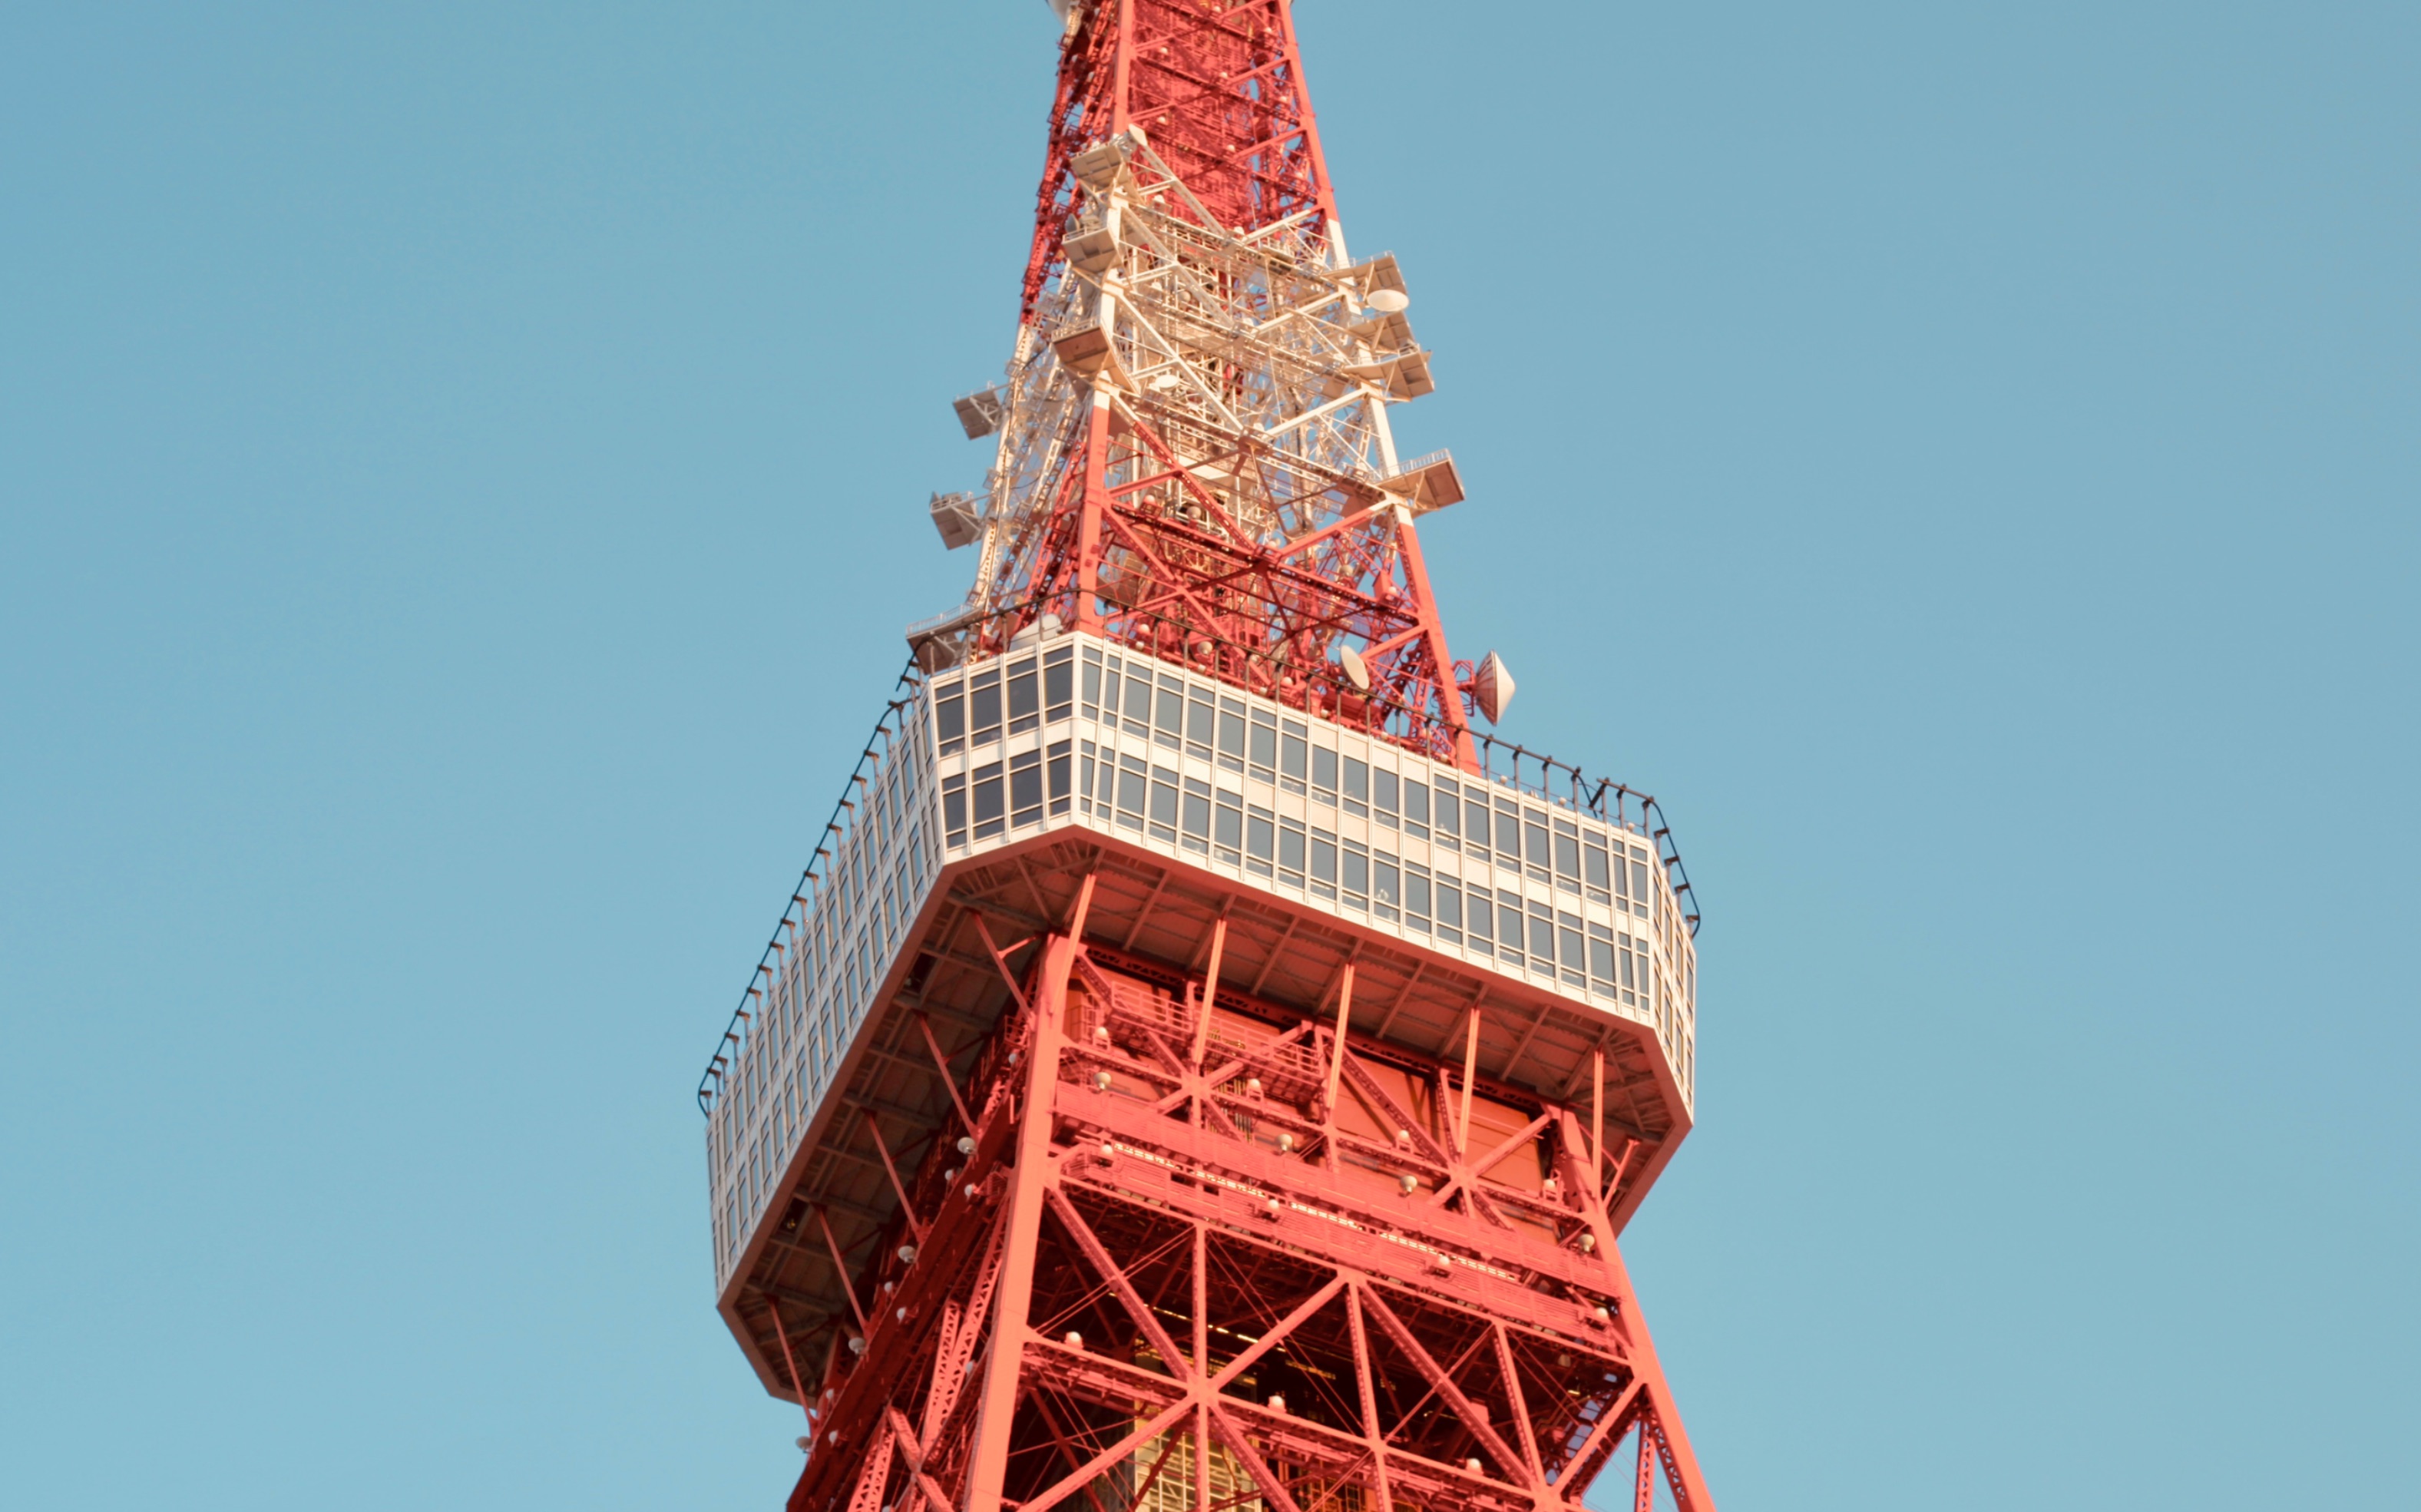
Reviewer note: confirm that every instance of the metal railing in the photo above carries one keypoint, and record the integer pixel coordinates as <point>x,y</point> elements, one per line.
<point>834,836</point>
<point>1316,689</point>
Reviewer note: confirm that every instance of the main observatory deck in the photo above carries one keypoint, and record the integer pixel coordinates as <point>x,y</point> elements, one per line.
<point>1546,906</point>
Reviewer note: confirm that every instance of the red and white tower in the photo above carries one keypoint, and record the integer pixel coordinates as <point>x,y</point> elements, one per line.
<point>1200,1068</point>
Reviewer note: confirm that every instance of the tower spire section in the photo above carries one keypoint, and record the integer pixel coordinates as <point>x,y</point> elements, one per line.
<point>1194,456</point>
<point>1195,1072</point>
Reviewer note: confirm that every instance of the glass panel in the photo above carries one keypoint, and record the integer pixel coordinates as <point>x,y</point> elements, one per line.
<point>1229,827</point>
<point>1261,835</point>
<point>1195,818</point>
<point>1290,848</point>
<point>1138,704</point>
<point>1383,791</point>
<point>1323,857</point>
<point>1092,687</point>
<point>1059,765</point>
<point>1417,895</point>
<point>1170,728</point>
<point>1594,857</point>
<point>1534,835</point>
<point>951,719</point>
<point>953,809</point>
<point>1026,788</point>
<point>1357,870</point>
<point>1357,779</point>
<point>1163,803</point>
<point>1231,741</point>
<point>1568,859</point>
<point>1384,883</point>
<point>989,808</point>
<point>1132,784</point>
<point>1323,771</point>
<point>1294,756</point>
<point>1057,668</point>
<point>1201,725</point>
<point>983,705</point>
<point>1025,697</point>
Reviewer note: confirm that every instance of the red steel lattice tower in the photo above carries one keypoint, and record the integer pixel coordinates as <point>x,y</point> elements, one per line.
<point>1200,1067</point>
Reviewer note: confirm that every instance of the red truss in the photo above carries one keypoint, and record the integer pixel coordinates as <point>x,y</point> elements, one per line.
<point>1236,547</point>
<point>1219,88</point>
<point>1188,1258</point>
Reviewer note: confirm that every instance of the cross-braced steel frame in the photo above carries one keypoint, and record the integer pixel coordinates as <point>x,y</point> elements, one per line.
<point>1194,456</point>
<point>1203,1257</point>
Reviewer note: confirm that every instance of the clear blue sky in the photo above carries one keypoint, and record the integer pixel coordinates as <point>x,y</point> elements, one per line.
<point>461,484</point>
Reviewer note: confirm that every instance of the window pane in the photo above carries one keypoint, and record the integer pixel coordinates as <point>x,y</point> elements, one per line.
<point>1171,724</point>
<point>1323,857</point>
<point>1231,734</point>
<point>983,699</point>
<point>1054,684</point>
<point>1092,684</point>
<point>1416,801</point>
<point>1265,746</point>
<point>1197,813</point>
<point>1596,858</point>
<point>1323,768</point>
<point>1568,856</point>
<point>1483,914</point>
<point>1138,709</point>
<point>1163,801</point>
<point>1536,836</point>
<point>1201,722</point>
<point>1261,835</point>
<point>1417,895</point>
<point>1383,791</point>
<point>1229,830</point>
<point>1475,814</point>
<point>988,800</point>
<point>1130,793</point>
<point>1508,836</point>
<point>1290,847</point>
<point>1357,779</point>
<point>1382,880</point>
<point>1292,752</point>
<point>951,719</point>
<point>1025,786</point>
<point>1025,697</point>
<point>1601,960</point>
<point>1639,880</point>
<point>1358,871</point>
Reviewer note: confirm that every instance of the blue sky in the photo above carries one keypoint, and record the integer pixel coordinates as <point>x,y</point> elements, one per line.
<point>461,485</point>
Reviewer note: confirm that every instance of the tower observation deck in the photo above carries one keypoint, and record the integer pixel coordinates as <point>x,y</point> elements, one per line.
<point>1200,1067</point>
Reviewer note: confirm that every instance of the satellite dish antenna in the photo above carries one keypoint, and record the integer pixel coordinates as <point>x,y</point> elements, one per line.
<point>1492,688</point>
<point>1390,301</point>
<point>1357,671</point>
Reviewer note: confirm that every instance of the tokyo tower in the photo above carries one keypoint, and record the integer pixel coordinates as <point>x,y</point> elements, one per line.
<point>1200,1068</point>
